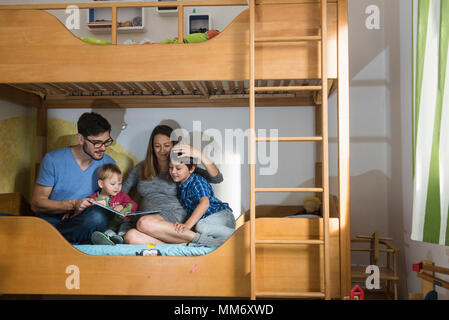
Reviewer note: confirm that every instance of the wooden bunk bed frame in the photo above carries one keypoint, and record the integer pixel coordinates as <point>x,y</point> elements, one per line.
<point>44,66</point>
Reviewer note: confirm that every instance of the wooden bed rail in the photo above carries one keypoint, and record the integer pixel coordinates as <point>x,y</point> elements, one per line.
<point>14,203</point>
<point>116,5</point>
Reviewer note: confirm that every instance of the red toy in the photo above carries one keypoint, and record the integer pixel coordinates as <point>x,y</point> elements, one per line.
<point>417,267</point>
<point>357,293</point>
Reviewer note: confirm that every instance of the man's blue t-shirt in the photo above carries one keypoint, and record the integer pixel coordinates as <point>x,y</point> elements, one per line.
<point>60,170</point>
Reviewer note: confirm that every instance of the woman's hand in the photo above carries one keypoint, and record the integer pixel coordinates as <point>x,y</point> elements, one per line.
<point>185,150</point>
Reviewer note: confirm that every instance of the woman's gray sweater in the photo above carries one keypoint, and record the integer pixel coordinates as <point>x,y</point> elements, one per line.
<point>160,193</point>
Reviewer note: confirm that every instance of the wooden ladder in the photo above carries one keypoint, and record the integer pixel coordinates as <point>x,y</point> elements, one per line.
<point>325,293</point>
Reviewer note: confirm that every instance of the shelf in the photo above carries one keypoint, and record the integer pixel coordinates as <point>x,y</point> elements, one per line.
<point>199,23</point>
<point>99,20</point>
<point>167,11</point>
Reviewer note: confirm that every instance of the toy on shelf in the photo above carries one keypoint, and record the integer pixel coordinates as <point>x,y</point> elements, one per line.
<point>387,273</point>
<point>426,270</point>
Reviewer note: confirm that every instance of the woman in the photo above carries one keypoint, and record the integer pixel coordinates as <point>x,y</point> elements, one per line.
<point>158,192</point>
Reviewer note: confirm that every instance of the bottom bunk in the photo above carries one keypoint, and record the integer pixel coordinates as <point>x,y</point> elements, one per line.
<point>36,259</point>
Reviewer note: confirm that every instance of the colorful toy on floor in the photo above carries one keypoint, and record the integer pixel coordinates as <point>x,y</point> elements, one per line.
<point>357,293</point>
<point>426,270</point>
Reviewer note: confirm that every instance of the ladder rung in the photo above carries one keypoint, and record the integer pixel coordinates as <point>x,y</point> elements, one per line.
<point>287,139</point>
<point>308,241</point>
<point>287,39</point>
<point>289,88</point>
<point>289,189</point>
<point>268,294</point>
<point>268,2</point>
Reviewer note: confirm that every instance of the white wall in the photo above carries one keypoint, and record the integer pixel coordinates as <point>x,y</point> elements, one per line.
<point>370,173</point>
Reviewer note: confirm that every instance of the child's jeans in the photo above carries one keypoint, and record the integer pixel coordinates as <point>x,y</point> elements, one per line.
<point>218,225</point>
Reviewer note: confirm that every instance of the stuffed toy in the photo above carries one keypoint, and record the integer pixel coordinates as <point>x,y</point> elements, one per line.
<point>194,37</point>
<point>312,205</point>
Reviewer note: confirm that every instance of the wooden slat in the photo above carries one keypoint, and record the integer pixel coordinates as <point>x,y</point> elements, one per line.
<point>295,242</point>
<point>199,85</point>
<point>231,85</point>
<point>177,87</point>
<point>241,86</point>
<point>189,87</point>
<point>268,2</point>
<point>267,294</point>
<point>134,86</point>
<point>126,86</point>
<point>114,25</point>
<point>288,139</point>
<point>436,269</point>
<point>289,88</point>
<point>147,87</point>
<point>220,89</point>
<point>64,87</point>
<point>157,89</point>
<point>344,148</point>
<point>167,87</point>
<point>325,148</point>
<point>252,144</point>
<point>82,87</point>
<point>287,39</point>
<point>289,190</point>
<point>55,88</point>
<point>210,88</point>
<point>180,24</point>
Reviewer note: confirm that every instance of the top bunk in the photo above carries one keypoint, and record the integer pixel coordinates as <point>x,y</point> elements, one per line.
<point>40,56</point>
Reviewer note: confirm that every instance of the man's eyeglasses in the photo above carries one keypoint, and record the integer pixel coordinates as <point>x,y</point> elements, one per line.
<point>98,144</point>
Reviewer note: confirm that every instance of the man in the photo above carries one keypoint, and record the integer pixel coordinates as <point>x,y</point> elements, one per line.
<point>68,176</point>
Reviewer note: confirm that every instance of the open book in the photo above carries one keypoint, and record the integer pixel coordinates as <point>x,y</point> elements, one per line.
<point>129,214</point>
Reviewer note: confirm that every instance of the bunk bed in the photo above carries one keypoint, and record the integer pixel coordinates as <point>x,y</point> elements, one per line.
<point>44,66</point>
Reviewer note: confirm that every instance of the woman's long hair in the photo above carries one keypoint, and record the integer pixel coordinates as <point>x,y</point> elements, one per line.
<point>149,169</point>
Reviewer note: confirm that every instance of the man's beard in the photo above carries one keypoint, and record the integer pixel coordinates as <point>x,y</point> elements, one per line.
<point>86,151</point>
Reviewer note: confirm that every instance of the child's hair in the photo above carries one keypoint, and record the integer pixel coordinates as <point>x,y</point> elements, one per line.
<point>190,162</point>
<point>107,170</point>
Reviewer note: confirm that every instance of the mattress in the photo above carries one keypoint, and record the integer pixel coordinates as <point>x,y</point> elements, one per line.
<point>133,250</point>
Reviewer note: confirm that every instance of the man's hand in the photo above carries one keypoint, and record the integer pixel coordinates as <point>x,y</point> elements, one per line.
<point>79,206</point>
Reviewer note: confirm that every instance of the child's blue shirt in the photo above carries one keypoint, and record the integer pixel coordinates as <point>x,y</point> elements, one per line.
<point>193,189</point>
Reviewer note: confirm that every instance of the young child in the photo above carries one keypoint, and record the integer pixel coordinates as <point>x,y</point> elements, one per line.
<point>207,214</point>
<point>110,195</point>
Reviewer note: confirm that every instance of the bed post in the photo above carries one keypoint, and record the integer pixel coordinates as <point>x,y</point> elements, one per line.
<point>41,135</point>
<point>343,149</point>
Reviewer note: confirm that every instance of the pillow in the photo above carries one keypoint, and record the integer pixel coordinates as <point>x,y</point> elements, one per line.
<point>93,40</point>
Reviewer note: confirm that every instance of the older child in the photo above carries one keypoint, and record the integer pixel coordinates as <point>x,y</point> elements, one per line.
<point>207,214</point>
<point>110,195</point>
